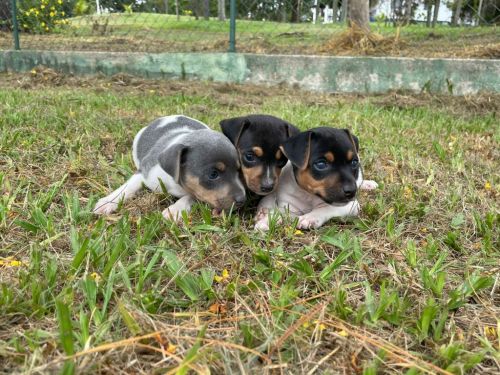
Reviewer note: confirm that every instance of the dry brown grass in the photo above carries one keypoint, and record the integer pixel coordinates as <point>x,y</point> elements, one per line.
<point>79,130</point>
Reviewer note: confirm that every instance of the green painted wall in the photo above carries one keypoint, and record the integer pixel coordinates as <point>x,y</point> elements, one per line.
<point>319,73</point>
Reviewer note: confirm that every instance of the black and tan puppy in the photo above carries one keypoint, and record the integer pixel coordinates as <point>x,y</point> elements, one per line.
<point>257,139</point>
<point>320,181</point>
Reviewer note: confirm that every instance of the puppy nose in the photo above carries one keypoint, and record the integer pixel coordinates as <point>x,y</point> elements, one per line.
<point>239,200</point>
<point>349,191</point>
<point>267,188</point>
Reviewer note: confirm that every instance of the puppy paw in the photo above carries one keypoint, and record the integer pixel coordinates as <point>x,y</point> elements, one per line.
<point>172,214</point>
<point>105,207</point>
<point>262,225</point>
<point>308,222</point>
<point>368,185</point>
<point>261,215</point>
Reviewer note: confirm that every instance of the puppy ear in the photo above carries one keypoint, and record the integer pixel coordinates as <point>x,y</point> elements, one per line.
<point>291,130</point>
<point>354,139</point>
<point>298,148</point>
<point>233,128</point>
<point>172,159</point>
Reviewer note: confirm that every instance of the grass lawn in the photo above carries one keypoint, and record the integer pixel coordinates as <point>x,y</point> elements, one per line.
<point>148,32</point>
<point>411,286</point>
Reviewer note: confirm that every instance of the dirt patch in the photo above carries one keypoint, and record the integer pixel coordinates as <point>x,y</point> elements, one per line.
<point>237,95</point>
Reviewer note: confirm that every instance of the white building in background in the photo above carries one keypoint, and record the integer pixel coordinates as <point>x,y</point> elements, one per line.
<point>444,14</point>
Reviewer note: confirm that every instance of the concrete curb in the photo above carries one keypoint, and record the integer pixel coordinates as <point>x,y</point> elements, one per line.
<point>317,73</point>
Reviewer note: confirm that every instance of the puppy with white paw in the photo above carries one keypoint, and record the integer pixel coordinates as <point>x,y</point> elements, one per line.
<point>192,161</point>
<point>320,180</point>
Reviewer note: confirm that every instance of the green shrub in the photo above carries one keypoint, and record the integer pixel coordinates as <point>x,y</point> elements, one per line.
<point>41,16</point>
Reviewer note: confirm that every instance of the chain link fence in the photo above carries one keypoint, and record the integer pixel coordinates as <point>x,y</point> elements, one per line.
<point>260,26</point>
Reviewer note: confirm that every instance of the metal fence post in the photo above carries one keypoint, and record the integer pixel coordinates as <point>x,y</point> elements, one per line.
<point>15,28</point>
<point>232,26</point>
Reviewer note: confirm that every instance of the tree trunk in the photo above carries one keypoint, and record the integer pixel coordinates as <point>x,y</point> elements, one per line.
<point>283,15</point>
<point>296,10</point>
<point>335,8</point>
<point>429,14</point>
<point>206,9</point>
<point>196,8</point>
<point>359,14</point>
<point>456,12</point>
<point>177,10</point>
<point>165,3</point>
<point>408,12</point>
<point>343,12</point>
<point>436,12</point>
<point>480,12</point>
<point>221,10</point>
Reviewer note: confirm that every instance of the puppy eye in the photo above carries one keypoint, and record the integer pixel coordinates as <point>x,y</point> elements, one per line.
<point>354,163</point>
<point>214,174</point>
<point>320,165</point>
<point>249,157</point>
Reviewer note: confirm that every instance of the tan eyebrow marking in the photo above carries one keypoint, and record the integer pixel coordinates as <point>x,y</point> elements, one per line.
<point>329,156</point>
<point>220,166</point>
<point>258,151</point>
<point>278,155</point>
<point>349,155</point>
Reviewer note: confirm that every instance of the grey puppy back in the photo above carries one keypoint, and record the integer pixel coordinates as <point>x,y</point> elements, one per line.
<point>151,140</point>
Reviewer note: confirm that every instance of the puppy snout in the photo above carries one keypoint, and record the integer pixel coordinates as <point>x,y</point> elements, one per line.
<point>349,191</point>
<point>267,187</point>
<point>239,200</point>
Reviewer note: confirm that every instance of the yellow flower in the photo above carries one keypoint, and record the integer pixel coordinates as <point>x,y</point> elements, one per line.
<point>490,332</point>
<point>408,192</point>
<point>42,6</point>
<point>52,14</point>
<point>63,13</point>
<point>33,71</point>
<point>171,348</point>
<point>2,263</point>
<point>37,12</point>
<point>59,2</point>
<point>15,263</point>
<point>321,326</point>
<point>342,333</point>
<point>95,276</point>
<point>298,232</point>
<point>306,324</point>
<point>46,29</point>
<point>25,26</point>
<point>487,186</point>
<point>223,277</point>
<point>43,24</point>
<point>27,13</point>
<point>52,8</point>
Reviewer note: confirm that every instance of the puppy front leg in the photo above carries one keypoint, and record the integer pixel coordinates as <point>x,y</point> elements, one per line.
<point>264,210</point>
<point>109,203</point>
<point>317,217</point>
<point>266,204</point>
<point>173,212</point>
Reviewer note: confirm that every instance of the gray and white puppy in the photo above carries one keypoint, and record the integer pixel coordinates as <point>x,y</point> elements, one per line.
<point>192,161</point>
